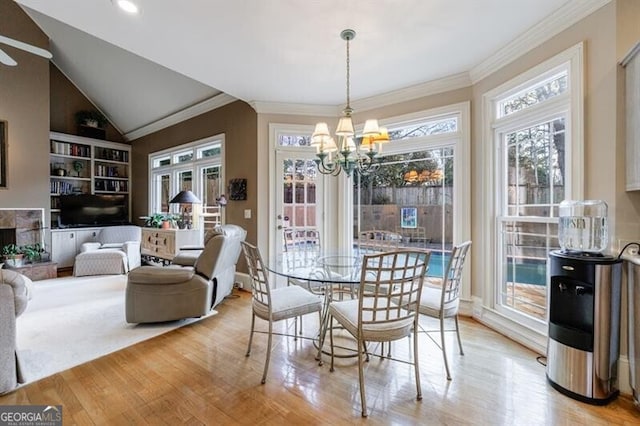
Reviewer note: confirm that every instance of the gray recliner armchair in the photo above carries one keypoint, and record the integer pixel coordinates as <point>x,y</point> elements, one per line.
<point>158,294</point>
<point>14,296</point>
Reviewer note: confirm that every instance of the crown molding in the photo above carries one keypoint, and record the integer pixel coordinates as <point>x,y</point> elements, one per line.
<point>630,54</point>
<point>295,109</point>
<point>397,96</point>
<point>433,87</point>
<point>558,21</point>
<point>200,108</point>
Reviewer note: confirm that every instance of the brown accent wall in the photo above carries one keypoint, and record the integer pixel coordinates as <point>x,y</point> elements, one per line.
<point>66,100</point>
<point>238,122</point>
<point>24,105</point>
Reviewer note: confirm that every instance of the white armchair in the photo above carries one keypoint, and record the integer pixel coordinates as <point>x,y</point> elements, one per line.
<point>124,238</point>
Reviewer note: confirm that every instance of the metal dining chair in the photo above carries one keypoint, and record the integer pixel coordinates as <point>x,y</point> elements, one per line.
<point>274,305</point>
<point>443,302</point>
<point>383,316</point>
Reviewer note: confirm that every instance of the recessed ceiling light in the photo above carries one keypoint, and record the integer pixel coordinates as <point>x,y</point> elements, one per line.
<point>127,5</point>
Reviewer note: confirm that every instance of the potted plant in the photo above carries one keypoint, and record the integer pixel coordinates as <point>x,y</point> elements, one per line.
<point>33,252</point>
<point>13,255</point>
<point>161,220</point>
<point>91,119</point>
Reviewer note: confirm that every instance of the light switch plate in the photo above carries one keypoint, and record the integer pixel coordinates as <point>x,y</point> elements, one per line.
<point>247,213</point>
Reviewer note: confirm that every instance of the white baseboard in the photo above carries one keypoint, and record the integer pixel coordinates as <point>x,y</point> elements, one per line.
<point>243,280</point>
<point>624,384</point>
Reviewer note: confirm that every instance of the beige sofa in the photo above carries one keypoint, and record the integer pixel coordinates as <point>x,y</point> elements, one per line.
<point>157,294</point>
<point>14,296</point>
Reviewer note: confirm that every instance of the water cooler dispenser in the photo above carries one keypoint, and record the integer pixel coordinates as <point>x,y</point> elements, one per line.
<point>584,306</point>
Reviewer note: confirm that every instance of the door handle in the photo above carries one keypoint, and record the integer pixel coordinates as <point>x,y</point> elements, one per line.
<point>280,216</point>
<point>279,226</point>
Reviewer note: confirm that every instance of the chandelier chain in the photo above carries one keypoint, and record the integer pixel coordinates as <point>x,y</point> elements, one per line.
<point>348,78</point>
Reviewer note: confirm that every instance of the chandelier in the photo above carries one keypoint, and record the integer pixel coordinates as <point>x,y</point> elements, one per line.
<point>342,153</point>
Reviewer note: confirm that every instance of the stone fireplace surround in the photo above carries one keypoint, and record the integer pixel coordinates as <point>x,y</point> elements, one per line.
<point>26,225</point>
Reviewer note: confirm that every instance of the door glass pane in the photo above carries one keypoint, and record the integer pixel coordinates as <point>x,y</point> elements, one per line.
<point>211,213</point>
<point>162,186</point>
<point>185,181</point>
<point>410,194</point>
<point>212,185</point>
<point>299,195</point>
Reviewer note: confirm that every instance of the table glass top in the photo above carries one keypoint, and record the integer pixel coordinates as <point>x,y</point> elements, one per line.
<point>331,267</point>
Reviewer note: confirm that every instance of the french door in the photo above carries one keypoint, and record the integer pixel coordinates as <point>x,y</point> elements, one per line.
<point>299,196</point>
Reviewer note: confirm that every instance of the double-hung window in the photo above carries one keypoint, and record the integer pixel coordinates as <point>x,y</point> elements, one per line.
<point>533,131</point>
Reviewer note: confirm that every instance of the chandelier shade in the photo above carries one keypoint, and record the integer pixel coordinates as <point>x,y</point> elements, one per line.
<point>342,152</point>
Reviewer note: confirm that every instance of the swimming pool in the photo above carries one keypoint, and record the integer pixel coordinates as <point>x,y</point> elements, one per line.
<point>528,271</point>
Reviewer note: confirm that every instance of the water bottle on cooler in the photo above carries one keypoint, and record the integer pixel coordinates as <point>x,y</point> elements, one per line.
<point>583,226</point>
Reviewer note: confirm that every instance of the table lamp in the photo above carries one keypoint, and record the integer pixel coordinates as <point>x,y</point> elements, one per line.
<point>185,197</point>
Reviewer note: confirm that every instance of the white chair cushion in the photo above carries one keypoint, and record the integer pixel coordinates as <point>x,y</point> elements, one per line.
<point>346,312</point>
<point>288,302</point>
<point>430,303</point>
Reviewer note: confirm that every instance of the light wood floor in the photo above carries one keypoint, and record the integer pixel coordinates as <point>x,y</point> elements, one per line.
<point>199,374</point>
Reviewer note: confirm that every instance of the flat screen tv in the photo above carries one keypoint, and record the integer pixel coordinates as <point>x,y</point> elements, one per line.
<point>93,210</point>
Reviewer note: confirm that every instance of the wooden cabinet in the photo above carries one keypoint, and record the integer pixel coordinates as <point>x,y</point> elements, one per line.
<point>66,243</point>
<point>80,165</point>
<point>166,243</point>
<point>631,63</point>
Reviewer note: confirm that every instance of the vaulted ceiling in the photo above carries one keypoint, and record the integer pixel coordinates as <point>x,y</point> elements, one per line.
<point>140,70</point>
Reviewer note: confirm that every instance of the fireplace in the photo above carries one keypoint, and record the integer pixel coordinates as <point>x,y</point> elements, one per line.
<point>21,226</point>
<point>7,236</point>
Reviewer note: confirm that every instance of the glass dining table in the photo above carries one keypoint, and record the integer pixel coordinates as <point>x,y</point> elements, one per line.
<point>333,275</point>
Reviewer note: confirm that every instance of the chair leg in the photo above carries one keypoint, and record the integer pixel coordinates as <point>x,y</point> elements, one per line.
<point>416,363</point>
<point>331,341</point>
<point>363,398</point>
<point>365,350</point>
<point>295,327</point>
<point>444,348</point>
<point>253,323</point>
<point>266,363</point>
<point>458,334</point>
<point>320,338</point>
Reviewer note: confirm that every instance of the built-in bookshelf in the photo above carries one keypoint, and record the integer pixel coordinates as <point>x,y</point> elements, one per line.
<point>81,165</point>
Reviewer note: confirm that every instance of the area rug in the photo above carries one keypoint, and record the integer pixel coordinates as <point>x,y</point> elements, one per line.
<point>70,321</point>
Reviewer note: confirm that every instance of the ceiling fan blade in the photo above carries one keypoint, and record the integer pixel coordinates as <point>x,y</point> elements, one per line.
<point>26,47</point>
<point>6,59</point>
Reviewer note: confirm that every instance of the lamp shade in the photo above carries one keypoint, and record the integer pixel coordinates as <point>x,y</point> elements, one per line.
<point>371,128</point>
<point>345,127</point>
<point>185,197</point>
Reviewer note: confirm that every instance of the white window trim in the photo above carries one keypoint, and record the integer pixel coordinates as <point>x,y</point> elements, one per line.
<point>484,309</point>
<point>193,165</point>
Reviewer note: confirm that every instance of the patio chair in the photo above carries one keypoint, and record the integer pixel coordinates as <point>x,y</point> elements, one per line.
<point>383,316</point>
<point>274,305</point>
<point>376,241</point>
<point>443,302</point>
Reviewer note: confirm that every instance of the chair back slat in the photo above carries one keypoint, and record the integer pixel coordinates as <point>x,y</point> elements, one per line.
<point>452,278</point>
<point>258,273</point>
<point>391,285</point>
